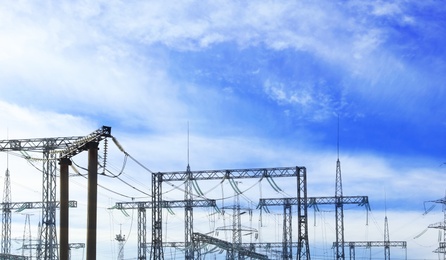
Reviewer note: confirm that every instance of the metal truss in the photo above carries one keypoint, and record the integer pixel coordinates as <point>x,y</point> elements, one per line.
<point>369,244</point>
<point>298,172</point>
<point>52,149</point>
<point>143,205</point>
<point>231,249</point>
<point>310,202</point>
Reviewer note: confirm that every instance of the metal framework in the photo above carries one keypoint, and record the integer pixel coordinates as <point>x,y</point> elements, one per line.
<point>369,244</point>
<point>188,216</point>
<point>298,172</point>
<point>141,206</point>
<point>441,250</point>
<point>339,209</point>
<point>52,149</point>
<point>274,248</point>
<point>20,206</point>
<point>36,246</point>
<point>386,243</point>
<point>6,216</point>
<point>310,202</point>
<point>231,249</point>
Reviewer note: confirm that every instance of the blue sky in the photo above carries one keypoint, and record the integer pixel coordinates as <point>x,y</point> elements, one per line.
<point>260,83</point>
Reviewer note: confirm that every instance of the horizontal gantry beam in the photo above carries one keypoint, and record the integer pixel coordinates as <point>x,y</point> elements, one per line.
<point>70,246</point>
<point>234,174</point>
<point>68,144</point>
<point>314,201</point>
<point>262,245</point>
<point>368,244</point>
<point>166,204</point>
<point>19,206</point>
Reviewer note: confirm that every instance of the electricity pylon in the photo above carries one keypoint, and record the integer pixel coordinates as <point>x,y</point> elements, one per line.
<point>6,216</point>
<point>52,150</point>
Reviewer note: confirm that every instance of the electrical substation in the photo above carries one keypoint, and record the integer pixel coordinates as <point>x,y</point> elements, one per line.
<point>255,213</point>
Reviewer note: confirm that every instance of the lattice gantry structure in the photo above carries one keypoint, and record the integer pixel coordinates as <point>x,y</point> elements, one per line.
<point>441,250</point>
<point>141,206</point>
<point>386,243</point>
<point>53,151</point>
<point>310,202</point>
<point>303,251</point>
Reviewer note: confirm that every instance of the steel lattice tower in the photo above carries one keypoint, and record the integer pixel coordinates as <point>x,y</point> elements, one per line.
<point>51,148</point>
<point>297,172</point>
<point>386,240</point>
<point>27,235</point>
<point>188,216</point>
<point>156,251</point>
<point>339,214</point>
<point>121,239</point>
<point>6,216</point>
<point>236,227</point>
<point>48,230</point>
<point>287,252</point>
<point>441,250</point>
<point>143,205</point>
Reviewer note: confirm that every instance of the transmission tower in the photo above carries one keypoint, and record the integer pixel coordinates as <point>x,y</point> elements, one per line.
<point>27,235</point>
<point>441,250</point>
<point>386,240</point>
<point>121,239</point>
<point>6,216</point>
<point>339,209</point>
<point>53,149</point>
<point>188,216</point>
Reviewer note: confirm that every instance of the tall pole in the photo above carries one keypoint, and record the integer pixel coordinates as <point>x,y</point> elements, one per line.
<point>64,215</point>
<point>188,216</point>
<point>48,236</point>
<point>339,214</point>
<point>6,216</point>
<point>92,199</point>
<point>386,240</point>
<point>339,208</point>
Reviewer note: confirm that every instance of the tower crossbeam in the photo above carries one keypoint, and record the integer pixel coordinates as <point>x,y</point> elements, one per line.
<point>53,149</point>
<point>141,206</point>
<point>310,202</point>
<point>278,172</point>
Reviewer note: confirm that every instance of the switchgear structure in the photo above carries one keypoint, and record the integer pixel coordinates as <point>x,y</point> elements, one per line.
<point>53,150</point>
<point>303,251</point>
<point>141,206</point>
<point>311,202</point>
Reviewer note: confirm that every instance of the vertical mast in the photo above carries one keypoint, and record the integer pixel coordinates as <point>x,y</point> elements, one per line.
<point>6,216</point>
<point>339,208</point>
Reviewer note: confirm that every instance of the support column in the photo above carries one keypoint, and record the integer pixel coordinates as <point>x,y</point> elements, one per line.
<point>64,213</point>
<point>92,199</point>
